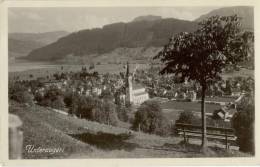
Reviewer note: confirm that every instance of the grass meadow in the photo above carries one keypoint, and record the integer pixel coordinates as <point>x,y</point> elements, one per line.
<point>86,139</point>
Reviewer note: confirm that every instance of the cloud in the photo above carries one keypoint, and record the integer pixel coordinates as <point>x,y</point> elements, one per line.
<point>74,19</point>
<point>177,13</point>
<point>33,16</point>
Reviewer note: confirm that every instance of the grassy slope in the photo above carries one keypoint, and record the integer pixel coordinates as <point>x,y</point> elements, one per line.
<point>39,132</point>
<point>45,128</point>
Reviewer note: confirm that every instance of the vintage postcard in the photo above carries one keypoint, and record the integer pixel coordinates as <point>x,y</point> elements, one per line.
<point>112,82</point>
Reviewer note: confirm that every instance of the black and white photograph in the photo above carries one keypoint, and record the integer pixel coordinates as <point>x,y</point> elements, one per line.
<point>131,82</point>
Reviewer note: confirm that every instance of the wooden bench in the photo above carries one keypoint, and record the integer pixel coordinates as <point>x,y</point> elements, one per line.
<point>225,135</point>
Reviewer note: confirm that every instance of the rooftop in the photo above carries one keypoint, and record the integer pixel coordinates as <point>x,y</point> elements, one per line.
<point>140,93</point>
<point>137,86</point>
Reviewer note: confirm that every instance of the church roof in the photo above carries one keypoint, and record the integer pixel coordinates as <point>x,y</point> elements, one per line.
<point>137,86</point>
<point>140,93</point>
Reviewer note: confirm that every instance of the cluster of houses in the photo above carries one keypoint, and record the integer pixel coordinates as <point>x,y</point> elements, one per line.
<point>131,88</point>
<point>123,88</point>
<point>165,86</point>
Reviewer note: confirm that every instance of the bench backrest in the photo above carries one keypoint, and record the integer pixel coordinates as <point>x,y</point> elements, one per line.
<point>198,127</point>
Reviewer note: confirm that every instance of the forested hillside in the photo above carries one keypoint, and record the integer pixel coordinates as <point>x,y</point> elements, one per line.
<point>143,33</point>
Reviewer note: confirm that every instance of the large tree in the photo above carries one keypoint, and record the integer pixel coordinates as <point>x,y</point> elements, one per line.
<point>203,55</point>
<point>243,123</point>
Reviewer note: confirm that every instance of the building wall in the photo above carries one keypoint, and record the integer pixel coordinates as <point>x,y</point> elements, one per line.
<point>140,99</point>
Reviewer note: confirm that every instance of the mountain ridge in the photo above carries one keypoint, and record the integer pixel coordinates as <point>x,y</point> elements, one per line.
<point>133,34</point>
<point>21,44</point>
<point>143,31</point>
<point>245,12</point>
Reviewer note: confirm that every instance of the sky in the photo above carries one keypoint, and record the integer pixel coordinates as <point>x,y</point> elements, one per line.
<point>38,20</point>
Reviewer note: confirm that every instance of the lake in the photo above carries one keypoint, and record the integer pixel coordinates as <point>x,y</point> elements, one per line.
<point>24,69</point>
<point>15,65</point>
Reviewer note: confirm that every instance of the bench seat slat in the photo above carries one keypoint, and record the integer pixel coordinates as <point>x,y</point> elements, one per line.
<point>198,132</point>
<point>181,125</point>
<point>230,138</point>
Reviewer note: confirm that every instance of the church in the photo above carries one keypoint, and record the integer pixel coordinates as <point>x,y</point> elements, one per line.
<point>135,93</point>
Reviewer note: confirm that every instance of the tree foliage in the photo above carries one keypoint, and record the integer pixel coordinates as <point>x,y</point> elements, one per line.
<point>202,55</point>
<point>94,109</point>
<point>105,113</point>
<point>122,113</point>
<point>52,98</point>
<point>20,93</point>
<point>187,117</point>
<point>150,119</point>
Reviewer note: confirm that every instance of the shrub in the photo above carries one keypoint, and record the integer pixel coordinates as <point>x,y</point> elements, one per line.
<point>122,113</point>
<point>83,107</point>
<point>105,112</point>
<point>53,98</point>
<point>38,97</point>
<point>52,93</point>
<point>46,102</point>
<point>188,117</point>
<point>150,119</point>
<point>243,123</point>
<point>106,94</point>
<point>94,109</point>
<point>74,106</point>
<point>68,99</point>
<point>24,97</point>
<point>19,93</point>
<point>58,103</point>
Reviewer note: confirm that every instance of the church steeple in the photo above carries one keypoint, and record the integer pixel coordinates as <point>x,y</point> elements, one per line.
<point>128,85</point>
<point>127,69</point>
<point>127,75</point>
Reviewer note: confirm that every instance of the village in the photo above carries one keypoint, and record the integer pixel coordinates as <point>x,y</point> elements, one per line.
<point>80,93</point>
<point>133,88</point>
<point>192,96</point>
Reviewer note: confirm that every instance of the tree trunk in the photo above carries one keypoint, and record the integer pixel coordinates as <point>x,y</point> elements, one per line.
<point>203,119</point>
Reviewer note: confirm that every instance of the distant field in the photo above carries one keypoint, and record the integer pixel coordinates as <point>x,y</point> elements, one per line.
<point>42,69</point>
<point>189,106</point>
<point>243,72</point>
<point>172,109</point>
<point>220,99</point>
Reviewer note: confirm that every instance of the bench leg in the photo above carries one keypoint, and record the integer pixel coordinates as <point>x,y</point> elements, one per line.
<point>185,137</point>
<point>226,137</point>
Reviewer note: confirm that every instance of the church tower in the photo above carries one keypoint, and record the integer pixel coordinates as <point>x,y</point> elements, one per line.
<point>129,86</point>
